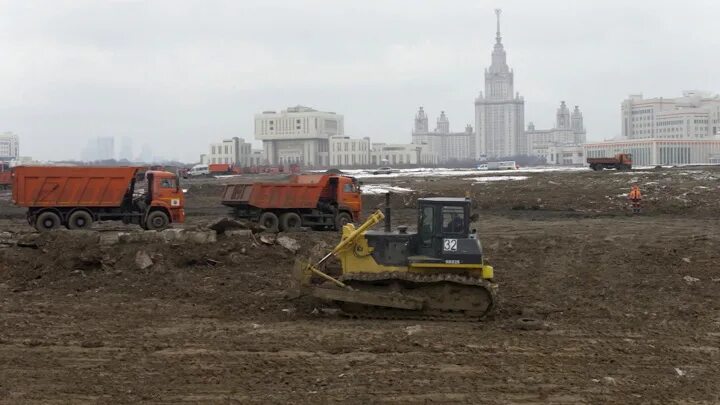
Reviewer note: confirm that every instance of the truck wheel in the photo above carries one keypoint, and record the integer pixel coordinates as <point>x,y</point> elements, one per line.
<point>341,220</point>
<point>290,221</point>
<point>269,221</point>
<point>47,221</point>
<point>157,220</point>
<point>79,220</point>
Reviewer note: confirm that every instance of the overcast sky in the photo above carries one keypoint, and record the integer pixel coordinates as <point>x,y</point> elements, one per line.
<point>181,74</point>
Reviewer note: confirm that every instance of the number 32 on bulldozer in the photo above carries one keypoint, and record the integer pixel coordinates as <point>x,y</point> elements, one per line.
<point>450,245</point>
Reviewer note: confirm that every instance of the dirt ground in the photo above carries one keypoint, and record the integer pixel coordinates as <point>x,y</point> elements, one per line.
<point>630,305</point>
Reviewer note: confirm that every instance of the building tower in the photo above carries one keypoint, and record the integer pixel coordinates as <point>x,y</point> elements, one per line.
<point>499,115</point>
<point>562,117</point>
<point>577,125</point>
<point>421,121</point>
<point>443,125</point>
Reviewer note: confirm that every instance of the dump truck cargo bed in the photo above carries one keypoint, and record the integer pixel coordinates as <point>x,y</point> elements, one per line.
<point>58,186</point>
<point>299,192</point>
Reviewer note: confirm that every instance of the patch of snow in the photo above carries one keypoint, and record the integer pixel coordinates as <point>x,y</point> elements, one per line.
<point>446,172</point>
<point>488,179</point>
<point>374,189</point>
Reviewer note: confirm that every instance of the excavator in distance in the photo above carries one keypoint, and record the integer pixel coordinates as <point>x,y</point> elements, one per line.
<point>436,273</point>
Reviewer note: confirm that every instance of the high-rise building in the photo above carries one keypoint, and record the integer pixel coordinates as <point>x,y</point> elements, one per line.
<point>9,146</point>
<point>694,115</point>
<point>667,131</point>
<point>126,148</point>
<point>569,131</point>
<point>297,135</point>
<point>232,151</point>
<point>105,148</point>
<point>447,146</point>
<point>500,111</point>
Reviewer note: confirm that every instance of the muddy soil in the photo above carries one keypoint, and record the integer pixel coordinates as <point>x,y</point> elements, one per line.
<point>626,308</point>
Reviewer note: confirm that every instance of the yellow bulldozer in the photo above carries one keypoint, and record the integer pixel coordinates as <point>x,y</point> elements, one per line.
<point>437,272</point>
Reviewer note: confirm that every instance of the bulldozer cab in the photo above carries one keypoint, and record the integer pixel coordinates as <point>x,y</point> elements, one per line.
<point>441,223</point>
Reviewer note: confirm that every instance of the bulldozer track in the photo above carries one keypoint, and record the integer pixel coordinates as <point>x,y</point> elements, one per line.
<point>379,312</point>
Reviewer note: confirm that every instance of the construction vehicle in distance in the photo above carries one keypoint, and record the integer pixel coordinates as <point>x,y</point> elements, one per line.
<point>78,196</point>
<point>5,175</point>
<point>436,273</point>
<point>621,161</point>
<point>320,201</point>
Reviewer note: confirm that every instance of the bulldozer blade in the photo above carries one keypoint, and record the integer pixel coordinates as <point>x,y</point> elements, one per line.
<point>367,298</point>
<point>300,279</point>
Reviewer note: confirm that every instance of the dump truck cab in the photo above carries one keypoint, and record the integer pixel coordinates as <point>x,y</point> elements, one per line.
<point>347,194</point>
<point>164,192</point>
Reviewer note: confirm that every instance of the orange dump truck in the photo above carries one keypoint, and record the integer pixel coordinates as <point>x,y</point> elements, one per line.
<point>78,196</point>
<point>5,176</point>
<point>320,201</point>
<point>621,161</point>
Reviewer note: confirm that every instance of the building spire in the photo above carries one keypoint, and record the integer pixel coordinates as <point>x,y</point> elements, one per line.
<point>498,38</point>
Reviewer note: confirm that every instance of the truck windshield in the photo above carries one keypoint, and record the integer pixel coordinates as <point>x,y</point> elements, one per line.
<point>167,183</point>
<point>350,188</point>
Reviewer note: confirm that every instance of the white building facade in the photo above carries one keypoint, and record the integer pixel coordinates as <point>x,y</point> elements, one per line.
<point>499,112</point>
<point>298,135</point>
<point>565,155</point>
<point>231,151</point>
<point>568,133</point>
<point>349,152</point>
<point>666,131</point>
<point>383,154</point>
<point>695,115</point>
<point>9,146</point>
<point>653,152</point>
<point>448,146</point>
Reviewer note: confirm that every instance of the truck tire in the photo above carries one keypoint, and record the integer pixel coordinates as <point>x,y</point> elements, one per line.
<point>290,221</point>
<point>157,220</point>
<point>80,220</point>
<point>47,221</point>
<point>269,221</point>
<point>341,219</point>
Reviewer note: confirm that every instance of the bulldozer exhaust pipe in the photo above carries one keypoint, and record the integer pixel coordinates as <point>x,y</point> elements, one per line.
<point>388,213</point>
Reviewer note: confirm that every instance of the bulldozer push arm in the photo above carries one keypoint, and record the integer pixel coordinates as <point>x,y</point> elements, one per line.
<point>308,268</point>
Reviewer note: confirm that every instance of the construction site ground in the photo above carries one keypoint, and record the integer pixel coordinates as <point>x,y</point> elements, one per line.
<point>623,309</point>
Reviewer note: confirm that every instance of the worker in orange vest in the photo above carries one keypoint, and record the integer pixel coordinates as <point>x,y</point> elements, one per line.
<point>635,198</point>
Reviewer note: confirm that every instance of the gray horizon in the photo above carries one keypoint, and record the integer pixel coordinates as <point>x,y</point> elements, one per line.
<point>181,75</point>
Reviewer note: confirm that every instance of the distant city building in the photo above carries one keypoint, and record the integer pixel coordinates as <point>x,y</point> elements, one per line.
<point>146,153</point>
<point>656,151</point>
<point>565,155</point>
<point>448,146</point>
<point>9,146</point>
<point>349,152</point>
<point>105,148</point>
<point>500,111</point>
<point>569,131</point>
<point>695,115</point>
<point>126,148</point>
<point>383,154</point>
<point>297,135</point>
<point>232,151</point>
<point>100,148</point>
<point>257,158</point>
<point>666,131</point>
